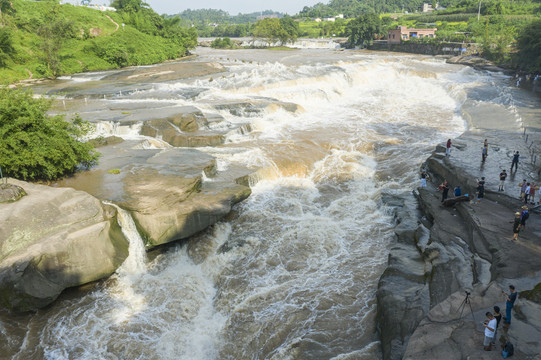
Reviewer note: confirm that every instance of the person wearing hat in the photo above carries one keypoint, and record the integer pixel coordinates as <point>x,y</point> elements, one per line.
<point>516,226</point>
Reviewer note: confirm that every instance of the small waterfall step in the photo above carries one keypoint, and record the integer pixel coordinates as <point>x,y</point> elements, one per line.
<point>135,263</point>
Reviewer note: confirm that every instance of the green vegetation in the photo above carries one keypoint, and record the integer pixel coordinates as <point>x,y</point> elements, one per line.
<point>273,30</point>
<point>41,39</point>
<point>220,17</point>
<point>529,47</point>
<point>361,31</point>
<point>220,43</point>
<point>240,30</point>
<point>35,146</point>
<point>507,31</point>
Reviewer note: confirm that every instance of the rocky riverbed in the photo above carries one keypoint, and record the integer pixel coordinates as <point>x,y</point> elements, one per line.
<point>442,252</point>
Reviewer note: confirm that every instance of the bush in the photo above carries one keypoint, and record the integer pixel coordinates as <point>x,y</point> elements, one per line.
<point>35,146</point>
<point>221,43</point>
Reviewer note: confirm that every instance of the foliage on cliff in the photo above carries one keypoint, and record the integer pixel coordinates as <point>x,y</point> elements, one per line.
<point>35,146</point>
<point>41,39</point>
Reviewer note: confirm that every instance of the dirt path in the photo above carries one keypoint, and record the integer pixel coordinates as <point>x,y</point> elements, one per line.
<point>114,22</point>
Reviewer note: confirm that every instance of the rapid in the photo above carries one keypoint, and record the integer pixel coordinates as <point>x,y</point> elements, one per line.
<point>293,273</point>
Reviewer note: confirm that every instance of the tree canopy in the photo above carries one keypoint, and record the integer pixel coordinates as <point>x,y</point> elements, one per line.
<point>529,47</point>
<point>273,30</point>
<point>361,30</point>
<point>35,146</point>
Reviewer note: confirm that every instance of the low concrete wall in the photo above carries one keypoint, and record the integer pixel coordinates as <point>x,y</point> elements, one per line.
<point>427,49</point>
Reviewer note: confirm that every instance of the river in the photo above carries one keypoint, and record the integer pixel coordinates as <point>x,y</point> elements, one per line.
<point>305,251</point>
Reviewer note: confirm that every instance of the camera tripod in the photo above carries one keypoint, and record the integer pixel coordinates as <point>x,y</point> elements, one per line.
<point>463,305</point>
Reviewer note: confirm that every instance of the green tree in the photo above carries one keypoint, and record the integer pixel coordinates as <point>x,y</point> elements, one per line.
<point>361,31</point>
<point>6,7</point>
<point>53,32</point>
<point>128,5</point>
<point>290,29</point>
<point>270,30</point>
<point>6,45</point>
<point>35,146</point>
<point>529,47</point>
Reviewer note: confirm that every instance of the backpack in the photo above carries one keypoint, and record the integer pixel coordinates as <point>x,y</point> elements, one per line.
<point>508,350</point>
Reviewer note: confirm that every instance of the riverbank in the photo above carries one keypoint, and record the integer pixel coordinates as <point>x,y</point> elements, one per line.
<point>445,251</point>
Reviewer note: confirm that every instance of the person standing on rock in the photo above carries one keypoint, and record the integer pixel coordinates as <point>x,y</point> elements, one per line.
<point>514,163</point>
<point>527,193</point>
<point>516,226</point>
<point>444,190</point>
<point>490,328</point>
<point>509,303</point>
<point>498,317</point>
<point>480,189</point>
<point>484,152</point>
<point>524,215</point>
<point>448,148</point>
<point>503,176</point>
<point>533,190</point>
<point>522,188</point>
<point>424,178</point>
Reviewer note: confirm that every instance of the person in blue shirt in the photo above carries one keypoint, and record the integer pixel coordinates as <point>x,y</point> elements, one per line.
<point>510,301</point>
<point>458,191</point>
<point>514,163</point>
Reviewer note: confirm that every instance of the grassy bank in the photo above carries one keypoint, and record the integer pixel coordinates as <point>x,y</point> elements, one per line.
<point>47,39</point>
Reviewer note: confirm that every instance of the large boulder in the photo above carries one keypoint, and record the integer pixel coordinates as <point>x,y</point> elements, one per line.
<point>53,239</point>
<point>163,189</point>
<point>10,193</point>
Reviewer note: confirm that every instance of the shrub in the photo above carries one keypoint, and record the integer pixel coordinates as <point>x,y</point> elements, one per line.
<point>220,43</point>
<point>35,146</point>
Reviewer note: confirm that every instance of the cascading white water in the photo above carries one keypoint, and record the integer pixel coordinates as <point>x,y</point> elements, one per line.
<point>294,275</point>
<point>135,263</point>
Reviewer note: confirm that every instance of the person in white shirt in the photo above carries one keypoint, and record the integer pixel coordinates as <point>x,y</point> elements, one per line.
<point>527,193</point>
<point>490,328</point>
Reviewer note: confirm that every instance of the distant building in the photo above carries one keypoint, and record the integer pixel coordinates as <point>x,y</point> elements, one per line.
<point>395,36</point>
<point>317,19</point>
<point>428,7</point>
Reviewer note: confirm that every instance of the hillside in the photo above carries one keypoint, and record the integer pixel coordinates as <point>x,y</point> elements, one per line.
<point>43,39</point>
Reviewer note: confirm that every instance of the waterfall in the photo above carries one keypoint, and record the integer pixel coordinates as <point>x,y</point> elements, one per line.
<point>135,263</point>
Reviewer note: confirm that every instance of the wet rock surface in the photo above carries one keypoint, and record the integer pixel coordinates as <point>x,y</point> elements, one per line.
<point>476,62</point>
<point>53,239</point>
<point>464,247</point>
<point>163,188</point>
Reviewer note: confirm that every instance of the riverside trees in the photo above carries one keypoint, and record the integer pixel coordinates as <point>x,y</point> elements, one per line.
<point>361,30</point>
<point>273,30</point>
